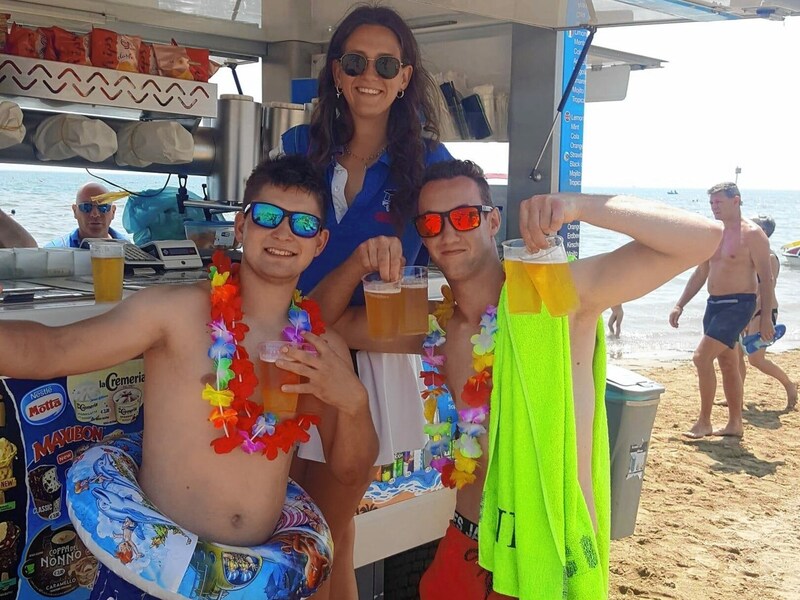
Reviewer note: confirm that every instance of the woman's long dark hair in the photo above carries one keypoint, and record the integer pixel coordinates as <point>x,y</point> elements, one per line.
<point>410,116</point>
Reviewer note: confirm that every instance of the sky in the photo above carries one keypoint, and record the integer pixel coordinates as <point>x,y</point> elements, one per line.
<point>728,96</point>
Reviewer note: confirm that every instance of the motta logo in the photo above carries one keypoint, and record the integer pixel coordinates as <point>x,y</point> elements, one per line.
<point>44,404</point>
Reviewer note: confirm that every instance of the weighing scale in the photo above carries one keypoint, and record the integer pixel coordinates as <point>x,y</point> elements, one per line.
<point>175,254</point>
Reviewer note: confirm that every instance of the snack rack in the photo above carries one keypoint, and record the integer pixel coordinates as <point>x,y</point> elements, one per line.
<point>85,84</point>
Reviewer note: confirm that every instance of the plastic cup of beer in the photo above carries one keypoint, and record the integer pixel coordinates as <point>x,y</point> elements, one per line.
<point>108,266</point>
<point>414,297</point>
<point>384,306</point>
<point>273,377</point>
<point>548,271</point>
<point>523,299</point>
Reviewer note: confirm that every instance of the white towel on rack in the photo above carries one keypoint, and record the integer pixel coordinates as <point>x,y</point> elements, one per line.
<point>146,142</point>
<point>66,136</point>
<point>12,131</point>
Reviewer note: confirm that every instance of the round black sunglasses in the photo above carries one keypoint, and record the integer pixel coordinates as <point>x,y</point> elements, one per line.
<point>355,64</point>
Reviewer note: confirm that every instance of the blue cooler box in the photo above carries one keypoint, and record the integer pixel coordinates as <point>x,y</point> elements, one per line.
<point>631,404</point>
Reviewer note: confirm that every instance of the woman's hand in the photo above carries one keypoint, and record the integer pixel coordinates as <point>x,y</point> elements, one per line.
<point>383,254</point>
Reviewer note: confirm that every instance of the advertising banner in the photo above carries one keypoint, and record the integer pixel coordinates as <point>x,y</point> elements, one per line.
<point>570,162</point>
<point>44,426</point>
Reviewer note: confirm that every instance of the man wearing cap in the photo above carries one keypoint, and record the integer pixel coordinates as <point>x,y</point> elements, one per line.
<point>94,219</point>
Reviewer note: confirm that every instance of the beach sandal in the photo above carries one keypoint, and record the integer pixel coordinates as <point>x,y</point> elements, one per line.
<point>752,343</point>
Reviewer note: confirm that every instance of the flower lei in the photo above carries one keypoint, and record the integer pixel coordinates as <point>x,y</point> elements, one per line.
<point>243,421</point>
<point>458,470</point>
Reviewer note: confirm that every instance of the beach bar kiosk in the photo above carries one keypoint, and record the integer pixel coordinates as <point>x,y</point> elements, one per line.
<point>515,59</point>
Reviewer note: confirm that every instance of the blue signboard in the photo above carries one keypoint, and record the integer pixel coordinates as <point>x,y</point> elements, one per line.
<point>570,163</point>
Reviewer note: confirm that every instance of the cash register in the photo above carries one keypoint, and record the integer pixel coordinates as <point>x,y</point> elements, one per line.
<point>161,254</point>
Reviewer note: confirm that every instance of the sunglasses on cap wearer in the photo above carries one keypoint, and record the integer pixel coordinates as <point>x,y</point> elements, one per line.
<point>463,218</point>
<point>355,64</point>
<point>86,207</point>
<point>268,215</point>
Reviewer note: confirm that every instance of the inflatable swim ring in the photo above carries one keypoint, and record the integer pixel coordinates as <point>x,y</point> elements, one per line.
<point>133,539</point>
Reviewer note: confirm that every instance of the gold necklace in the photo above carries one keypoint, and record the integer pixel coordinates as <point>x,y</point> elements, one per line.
<point>368,160</point>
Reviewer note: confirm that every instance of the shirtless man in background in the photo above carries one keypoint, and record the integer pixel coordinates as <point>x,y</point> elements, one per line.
<point>666,242</point>
<point>739,268</point>
<point>233,498</point>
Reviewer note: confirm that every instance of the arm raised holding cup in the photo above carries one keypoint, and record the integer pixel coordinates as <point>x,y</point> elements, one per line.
<point>666,241</point>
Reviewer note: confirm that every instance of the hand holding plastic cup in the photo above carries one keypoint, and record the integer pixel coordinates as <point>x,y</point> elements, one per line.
<point>273,377</point>
<point>108,267</point>
<point>384,306</point>
<point>536,277</point>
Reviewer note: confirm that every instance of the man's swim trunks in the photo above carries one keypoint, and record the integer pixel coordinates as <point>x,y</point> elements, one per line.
<point>108,586</point>
<point>726,316</point>
<point>454,572</point>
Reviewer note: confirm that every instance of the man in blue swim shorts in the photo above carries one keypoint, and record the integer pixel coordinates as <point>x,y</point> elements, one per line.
<point>726,317</point>
<point>738,270</point>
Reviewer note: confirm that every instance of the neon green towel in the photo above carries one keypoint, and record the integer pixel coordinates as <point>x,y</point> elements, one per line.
<point>536,535</point>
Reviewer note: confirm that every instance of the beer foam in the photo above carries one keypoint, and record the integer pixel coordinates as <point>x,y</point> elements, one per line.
<point>383,288</point>
<point>413,282</point>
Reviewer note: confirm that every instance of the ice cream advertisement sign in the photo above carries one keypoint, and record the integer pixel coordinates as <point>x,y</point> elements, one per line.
<point>44,404</point>
<point>44,427</point>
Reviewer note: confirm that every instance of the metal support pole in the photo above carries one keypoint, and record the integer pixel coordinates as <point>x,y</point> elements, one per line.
<point>535,82</point>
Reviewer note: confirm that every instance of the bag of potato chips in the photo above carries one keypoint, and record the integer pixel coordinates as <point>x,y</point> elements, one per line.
<point>22,41</point>
<point>48,43</point>
<point>111,50</point>
<point>147,59</point>
<point>198,63</point>
<point>3,30</point>
<point>70,47</point>
<point>173,61</point>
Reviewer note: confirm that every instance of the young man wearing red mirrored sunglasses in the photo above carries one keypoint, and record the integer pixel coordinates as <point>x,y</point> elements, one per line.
<point>94,220</point>
<point>458,224</point>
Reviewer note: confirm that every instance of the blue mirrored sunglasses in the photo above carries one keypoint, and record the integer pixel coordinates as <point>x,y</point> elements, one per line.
<point>268,215</point>
<point>86,207</point>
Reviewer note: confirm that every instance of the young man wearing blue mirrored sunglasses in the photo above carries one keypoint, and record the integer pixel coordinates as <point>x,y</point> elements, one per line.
<point>94,220</point>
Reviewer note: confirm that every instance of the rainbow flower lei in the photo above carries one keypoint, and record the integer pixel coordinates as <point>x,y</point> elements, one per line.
<point>243,421</point>
<point>458,470</point>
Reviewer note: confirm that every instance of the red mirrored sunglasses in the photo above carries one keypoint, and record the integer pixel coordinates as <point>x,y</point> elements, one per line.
<point>463,218</point>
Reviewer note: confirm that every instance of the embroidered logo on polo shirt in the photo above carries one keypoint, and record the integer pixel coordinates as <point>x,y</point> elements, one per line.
<point>387,200</point>
<point>386,203</point>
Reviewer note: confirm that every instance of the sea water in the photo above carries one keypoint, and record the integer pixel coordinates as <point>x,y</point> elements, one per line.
<point>42,201</point>
<point>646,333</point>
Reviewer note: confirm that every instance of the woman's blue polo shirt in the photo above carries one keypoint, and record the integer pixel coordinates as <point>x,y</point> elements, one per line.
<point>367,217</point>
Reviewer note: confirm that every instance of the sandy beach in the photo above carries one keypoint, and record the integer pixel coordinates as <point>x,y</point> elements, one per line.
<point>719,518</point>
